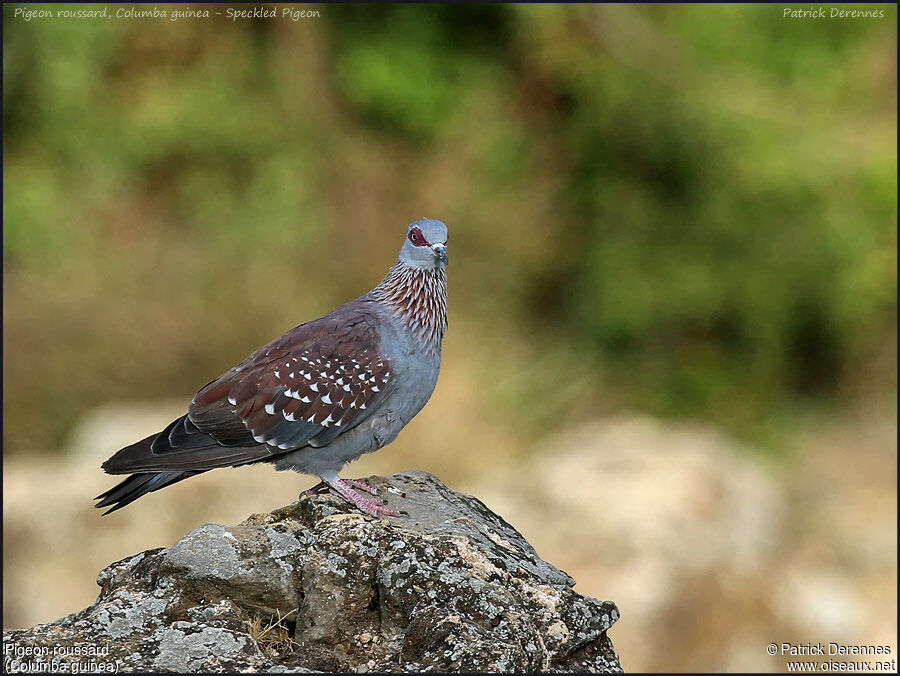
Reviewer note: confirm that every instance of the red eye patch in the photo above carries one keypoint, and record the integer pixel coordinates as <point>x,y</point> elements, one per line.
<point>417,238</point>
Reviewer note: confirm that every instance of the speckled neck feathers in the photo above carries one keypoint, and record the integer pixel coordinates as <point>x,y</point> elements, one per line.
<point>418,298</point>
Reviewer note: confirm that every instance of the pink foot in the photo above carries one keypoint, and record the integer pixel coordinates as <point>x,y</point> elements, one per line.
<point>320,487</point>
<point>344,488</point>
<point>361,484</point>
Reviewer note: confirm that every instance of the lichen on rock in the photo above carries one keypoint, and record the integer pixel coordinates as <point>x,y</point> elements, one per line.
<point>315,586</point>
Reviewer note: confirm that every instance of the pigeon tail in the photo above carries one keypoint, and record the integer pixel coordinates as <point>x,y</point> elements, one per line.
<point>137,485</point>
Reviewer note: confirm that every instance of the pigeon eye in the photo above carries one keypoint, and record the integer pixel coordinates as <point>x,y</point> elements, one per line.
<point>417,238</point>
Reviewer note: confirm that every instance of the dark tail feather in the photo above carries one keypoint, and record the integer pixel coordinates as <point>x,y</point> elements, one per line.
<point>181,447</point>
<point>138,485</point>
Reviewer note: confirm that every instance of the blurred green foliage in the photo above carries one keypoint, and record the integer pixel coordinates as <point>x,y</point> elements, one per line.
<point>689,209</point>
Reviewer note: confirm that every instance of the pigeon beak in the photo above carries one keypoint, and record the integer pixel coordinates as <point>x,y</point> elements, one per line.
<point>440,250</point>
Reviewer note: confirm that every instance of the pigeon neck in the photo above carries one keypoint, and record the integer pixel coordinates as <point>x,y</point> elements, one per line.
<point>418,298</point>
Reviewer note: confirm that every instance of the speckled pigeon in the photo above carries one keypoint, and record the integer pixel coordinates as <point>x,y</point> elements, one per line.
<point>319,396</point>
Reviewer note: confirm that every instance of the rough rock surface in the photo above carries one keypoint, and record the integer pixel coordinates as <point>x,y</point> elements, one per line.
<point>316,586</point>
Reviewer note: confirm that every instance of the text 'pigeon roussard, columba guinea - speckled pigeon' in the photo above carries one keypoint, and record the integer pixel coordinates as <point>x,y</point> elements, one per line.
<point>319,396</point>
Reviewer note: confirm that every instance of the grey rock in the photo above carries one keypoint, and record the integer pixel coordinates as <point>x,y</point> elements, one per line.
<point>317,586</point>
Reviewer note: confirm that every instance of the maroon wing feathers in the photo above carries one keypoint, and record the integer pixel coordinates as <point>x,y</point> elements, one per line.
<point>315,381</point>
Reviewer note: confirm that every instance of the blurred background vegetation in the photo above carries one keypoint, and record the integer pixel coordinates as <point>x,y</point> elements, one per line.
<point>689,210</point>
<point>683,210</point>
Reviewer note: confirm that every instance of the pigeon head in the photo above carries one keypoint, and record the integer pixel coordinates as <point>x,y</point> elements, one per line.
<point>425,247</point>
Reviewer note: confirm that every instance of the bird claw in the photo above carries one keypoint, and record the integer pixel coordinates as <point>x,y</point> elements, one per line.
<point>322,487</point>
<point>344,489</point>
<point>318,489</point>
<point>362,485</point>
<point>374,507</point>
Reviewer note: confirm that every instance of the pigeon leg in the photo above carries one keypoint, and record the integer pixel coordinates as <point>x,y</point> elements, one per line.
<point>361,484</point>
<point>320,487</point>
<point>345,490</point>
